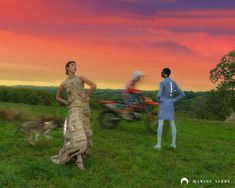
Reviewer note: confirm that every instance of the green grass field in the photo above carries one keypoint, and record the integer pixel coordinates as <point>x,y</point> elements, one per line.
<point>123,157</point>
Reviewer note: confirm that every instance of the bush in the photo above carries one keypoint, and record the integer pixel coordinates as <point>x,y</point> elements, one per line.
<point>221,103</point>
<point>26,95</point>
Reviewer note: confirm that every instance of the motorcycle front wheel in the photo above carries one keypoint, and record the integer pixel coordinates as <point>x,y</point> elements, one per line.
<point>108,119</point>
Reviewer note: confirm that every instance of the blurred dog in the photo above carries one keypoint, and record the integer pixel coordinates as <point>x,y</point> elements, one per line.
<point>34,129</point>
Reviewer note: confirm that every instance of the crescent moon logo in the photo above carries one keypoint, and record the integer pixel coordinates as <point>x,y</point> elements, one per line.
<point>184,180</point>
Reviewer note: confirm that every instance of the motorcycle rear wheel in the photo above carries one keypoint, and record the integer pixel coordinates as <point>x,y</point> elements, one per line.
<point>152,122</point>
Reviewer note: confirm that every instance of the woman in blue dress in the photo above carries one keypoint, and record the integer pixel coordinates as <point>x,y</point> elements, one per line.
<point>166,105</point>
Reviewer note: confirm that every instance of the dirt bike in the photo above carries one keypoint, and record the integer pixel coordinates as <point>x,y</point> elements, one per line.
<point>145,107</point>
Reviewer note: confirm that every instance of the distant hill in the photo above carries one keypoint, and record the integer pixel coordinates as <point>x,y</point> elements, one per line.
<point>50,89</point>
<point>193,104</point>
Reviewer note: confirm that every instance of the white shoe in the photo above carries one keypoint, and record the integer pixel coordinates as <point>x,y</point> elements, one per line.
<point>157,147</point>
<point>79,163</point>
<point>173,146</point>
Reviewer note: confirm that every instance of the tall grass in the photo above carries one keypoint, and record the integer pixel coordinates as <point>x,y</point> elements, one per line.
<point>123,157</point>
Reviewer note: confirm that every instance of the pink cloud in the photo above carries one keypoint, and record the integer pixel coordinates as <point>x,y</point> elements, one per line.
<point>200,13</point>
<point>46,35</point>
<point>137,1</point>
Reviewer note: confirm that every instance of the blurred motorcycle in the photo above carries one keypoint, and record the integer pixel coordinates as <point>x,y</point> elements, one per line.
<point>143,108</point>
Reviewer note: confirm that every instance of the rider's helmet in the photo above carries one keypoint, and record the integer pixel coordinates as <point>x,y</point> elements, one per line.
<point>137,75</point>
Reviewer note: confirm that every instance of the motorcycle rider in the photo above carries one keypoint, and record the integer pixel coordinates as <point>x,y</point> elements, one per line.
<point>129,94</point>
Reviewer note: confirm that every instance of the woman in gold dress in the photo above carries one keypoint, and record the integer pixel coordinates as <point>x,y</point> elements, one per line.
<point>77,130</point>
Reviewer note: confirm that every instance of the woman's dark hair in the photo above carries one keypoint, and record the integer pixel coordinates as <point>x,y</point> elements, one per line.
<point>167,71</point>
<point>67,65</point>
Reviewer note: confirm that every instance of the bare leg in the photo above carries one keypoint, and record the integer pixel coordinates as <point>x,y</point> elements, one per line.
<point>173,129</point>
<point>159,134</point>
<point>36,136</point>
<point>30,138</point>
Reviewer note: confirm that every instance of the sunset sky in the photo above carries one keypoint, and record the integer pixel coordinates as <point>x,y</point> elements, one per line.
<point>112,38</point>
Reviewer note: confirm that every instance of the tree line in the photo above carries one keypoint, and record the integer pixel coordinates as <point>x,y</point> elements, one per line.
<point>203,105</point>
<point>214,104</point>
<point>26,96</point>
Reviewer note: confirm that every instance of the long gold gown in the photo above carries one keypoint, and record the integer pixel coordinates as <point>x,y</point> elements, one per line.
<point>77,130</point>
